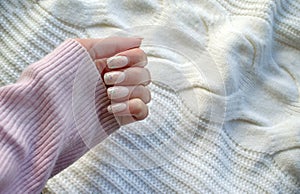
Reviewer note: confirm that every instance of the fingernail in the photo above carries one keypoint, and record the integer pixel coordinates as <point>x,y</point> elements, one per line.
<point>115,108</point>
<point>117,62</point>
<point>117,92</point>
<point>114,77</point>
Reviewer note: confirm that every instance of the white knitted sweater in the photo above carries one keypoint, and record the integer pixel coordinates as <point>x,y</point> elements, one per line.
<point>225,111</point>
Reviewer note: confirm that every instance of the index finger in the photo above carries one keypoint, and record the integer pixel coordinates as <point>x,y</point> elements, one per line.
<point>105,48</point>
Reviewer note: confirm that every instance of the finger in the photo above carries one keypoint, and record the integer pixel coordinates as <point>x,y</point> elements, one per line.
<point>132,57</point>
<point>138,109</point>
<point>135,108</point>
<point>124,120</point>
<point>105,48</point>
<point>101,66</point>
<point>131,76</point>
<point>123,93</point>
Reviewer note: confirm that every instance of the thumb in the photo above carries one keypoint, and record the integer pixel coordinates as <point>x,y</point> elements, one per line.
<point>107,47</point>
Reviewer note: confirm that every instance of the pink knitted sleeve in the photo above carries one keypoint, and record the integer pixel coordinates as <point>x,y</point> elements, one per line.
<point>41,132</point>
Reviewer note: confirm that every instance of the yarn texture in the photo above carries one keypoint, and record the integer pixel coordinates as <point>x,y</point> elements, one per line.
<point>239,135</point>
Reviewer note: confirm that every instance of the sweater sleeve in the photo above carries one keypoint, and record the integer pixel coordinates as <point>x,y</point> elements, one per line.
<point>53,115</point>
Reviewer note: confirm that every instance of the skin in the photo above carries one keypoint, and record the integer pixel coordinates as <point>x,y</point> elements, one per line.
<point>136,79</point>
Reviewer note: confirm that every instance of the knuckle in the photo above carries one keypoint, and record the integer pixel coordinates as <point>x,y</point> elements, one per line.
<point>139,90</point>
<point>140,52</point>
<point>144,114</point>
<point>148,95</point>
<point>140,109</point>
<point>148,76</point>
<point>142,57</point>
<point>139,106</point>
<point>142,93</point>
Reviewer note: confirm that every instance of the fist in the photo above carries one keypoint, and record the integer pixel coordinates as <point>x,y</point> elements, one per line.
<point>121,64</point>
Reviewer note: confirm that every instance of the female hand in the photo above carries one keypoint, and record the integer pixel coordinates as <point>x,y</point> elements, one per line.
<point>121,63</point>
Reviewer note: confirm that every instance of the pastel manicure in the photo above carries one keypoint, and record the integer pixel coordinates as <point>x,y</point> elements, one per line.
<point>117,62</point>
<point>114,77</point>
<point>115,108</point>
<point>117,92</point>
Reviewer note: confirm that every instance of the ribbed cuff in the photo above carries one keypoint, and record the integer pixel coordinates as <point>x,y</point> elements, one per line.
<point>50,118</point>
<point>91,121</point>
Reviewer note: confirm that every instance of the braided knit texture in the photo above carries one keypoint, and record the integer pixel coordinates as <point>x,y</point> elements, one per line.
<point>254,148</point>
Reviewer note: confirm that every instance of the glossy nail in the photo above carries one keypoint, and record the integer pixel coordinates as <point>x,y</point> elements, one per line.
<point>115,108</point>
<point>117,62</point>
<point>114,77</point>
<point>117,92</point>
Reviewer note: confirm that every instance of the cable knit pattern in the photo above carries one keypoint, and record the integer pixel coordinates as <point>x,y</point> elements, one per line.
<point>255,45</point>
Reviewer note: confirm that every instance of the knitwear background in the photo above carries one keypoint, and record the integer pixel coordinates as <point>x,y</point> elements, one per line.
<point>254,148</point>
